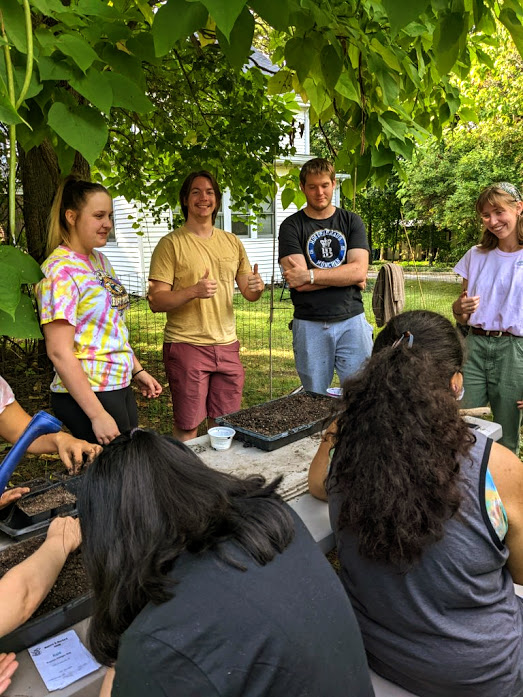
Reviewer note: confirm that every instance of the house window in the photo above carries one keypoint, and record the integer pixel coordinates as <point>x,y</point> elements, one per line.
<point>219,221</point>
<point>111,237</point>
<point>249,224</point>
<point>240,225</point>
<point>265,220</point>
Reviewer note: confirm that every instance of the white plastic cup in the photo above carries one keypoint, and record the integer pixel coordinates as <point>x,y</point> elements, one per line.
<point>221,437</point>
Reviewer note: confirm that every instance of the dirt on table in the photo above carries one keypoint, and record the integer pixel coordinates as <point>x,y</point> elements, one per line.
<point>71,583</point>
<point>52,498</point>
<point>283,414</point>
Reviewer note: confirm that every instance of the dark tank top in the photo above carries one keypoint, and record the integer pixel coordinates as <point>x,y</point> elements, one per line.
<point>452,625</point>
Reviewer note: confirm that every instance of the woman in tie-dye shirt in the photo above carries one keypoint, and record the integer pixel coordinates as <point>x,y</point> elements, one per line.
<point>82,306</point>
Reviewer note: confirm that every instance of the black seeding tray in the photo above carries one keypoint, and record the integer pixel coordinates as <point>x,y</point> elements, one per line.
<point>40,628</point>
<point>274,442</point>
<point>17,524</point>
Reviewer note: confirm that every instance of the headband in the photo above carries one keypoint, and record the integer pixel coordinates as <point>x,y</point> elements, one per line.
<point>510,189</point>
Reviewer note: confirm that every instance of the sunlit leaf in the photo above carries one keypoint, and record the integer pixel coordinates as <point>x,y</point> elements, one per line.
<point>27,268</point>
<point>224,14</point>
<point>95,86</point>
<point>238,48</point>
<point>82,127</point>
<point>128,94</point>
<point>73,45</point>
<point>403,12</point>
<point>14,23</point>
<point>287,197</point>
<point>274,12</point>
<point>10,291</point>
<point>25,323</point>
<point>176,20</point>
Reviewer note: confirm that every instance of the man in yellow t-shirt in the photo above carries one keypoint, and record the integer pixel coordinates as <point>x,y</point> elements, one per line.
<point>192,276</point>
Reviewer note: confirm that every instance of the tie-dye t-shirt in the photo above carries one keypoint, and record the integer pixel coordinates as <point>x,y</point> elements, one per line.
<point>84,291</point>
<point>6,394</point>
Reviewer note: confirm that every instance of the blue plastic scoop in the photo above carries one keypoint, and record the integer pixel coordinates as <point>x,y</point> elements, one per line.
<point>40,424</point>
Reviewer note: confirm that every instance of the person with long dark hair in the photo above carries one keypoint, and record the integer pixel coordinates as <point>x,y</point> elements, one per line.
<point>428,518</point>
<point>82,308</point>
<point>491,306</point>
<point>208,584</point>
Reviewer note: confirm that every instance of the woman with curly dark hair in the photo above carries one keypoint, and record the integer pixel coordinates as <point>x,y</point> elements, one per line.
<point>206,584</point>
<point>428,517</point>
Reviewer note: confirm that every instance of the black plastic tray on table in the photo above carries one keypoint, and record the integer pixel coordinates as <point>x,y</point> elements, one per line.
<point>19,525</point>
<point>40,628</point>
<point>274,442</point>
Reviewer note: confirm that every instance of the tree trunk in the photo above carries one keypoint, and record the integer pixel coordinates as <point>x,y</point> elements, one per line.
<point>40,174</point>
<point>369,240</point>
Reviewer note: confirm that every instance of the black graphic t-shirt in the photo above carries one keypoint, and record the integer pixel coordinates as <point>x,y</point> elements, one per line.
<point>324,244</point>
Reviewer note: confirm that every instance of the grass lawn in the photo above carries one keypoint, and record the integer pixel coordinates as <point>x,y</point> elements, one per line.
<point>267,356</point>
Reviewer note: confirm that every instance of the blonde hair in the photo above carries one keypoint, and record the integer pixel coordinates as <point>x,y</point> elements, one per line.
<point>72,194</point>
<point>503,195</point>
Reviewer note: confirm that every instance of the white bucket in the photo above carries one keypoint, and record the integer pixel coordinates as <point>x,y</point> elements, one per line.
<point>221,437</point>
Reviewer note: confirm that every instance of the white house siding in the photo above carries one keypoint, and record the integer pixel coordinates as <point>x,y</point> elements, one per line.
<point>259,252</point>
<point>301,140</point>
<point>130,254</point>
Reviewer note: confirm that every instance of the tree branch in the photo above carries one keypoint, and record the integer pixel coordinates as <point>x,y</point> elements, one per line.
<point>332,149</point>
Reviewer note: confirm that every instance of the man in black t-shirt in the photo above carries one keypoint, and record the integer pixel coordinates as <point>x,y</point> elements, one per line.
<point>324,254</point>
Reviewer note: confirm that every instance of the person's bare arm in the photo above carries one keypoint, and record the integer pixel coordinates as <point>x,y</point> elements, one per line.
<point>319,466</point>
<point>464,305</point>
<point>162,297</point>
<point>507,473</point>
<point>72,451</point>
<point>107,684</point>
<point>251,285</point>
<point>353,273</point>
<point>24,587</point>
<point>59,341</point>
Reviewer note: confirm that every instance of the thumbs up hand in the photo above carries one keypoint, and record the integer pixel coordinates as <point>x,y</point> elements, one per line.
<point>254,281</point>
<point>206,287</point>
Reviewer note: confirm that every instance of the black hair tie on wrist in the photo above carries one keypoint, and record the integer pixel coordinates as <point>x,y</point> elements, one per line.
<point>138,371</point>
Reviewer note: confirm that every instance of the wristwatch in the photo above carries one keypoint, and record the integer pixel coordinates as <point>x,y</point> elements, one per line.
<point>311,276</point>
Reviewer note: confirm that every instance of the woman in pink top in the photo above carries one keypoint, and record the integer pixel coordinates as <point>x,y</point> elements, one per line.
<point>491,303</point>
<point>82,306</point>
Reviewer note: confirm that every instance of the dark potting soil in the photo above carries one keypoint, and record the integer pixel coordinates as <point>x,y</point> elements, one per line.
<point>283,414</point>
<point>52,498</point>
<point>71,583</point>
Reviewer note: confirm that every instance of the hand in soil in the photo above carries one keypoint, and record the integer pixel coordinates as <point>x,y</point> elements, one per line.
<point>66,530</point>
<point>11,495</point>
<point>8,665</point>
<point>74,453</point>
<point>72,581</point>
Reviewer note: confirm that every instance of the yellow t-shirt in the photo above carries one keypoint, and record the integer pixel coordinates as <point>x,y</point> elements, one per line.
<point>181,259</point>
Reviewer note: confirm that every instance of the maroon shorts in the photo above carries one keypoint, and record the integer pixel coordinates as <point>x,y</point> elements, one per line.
<point>204,381</point>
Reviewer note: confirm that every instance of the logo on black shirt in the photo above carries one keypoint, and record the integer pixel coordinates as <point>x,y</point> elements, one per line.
<point>327,248</point>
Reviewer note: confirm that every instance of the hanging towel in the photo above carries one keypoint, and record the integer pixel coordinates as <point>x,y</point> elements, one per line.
<point>388,297</point>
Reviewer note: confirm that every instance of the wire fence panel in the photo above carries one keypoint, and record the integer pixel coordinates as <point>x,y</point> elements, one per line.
<point>263,332</point>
